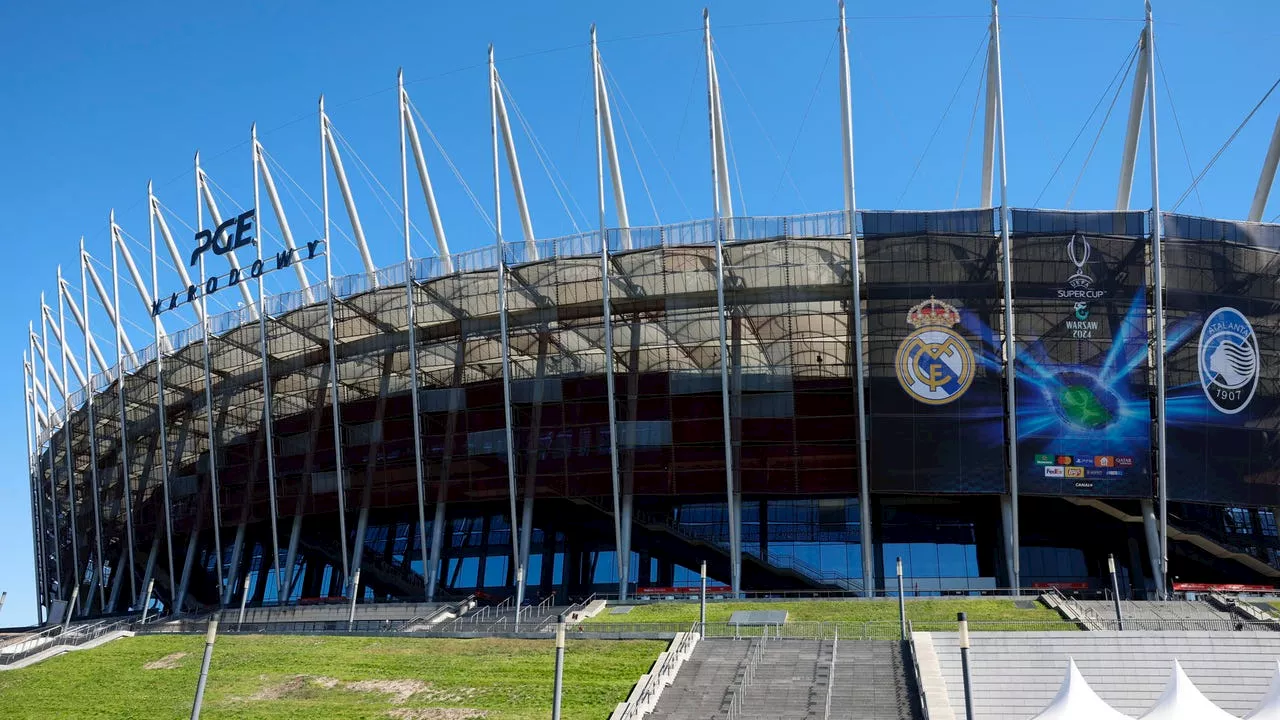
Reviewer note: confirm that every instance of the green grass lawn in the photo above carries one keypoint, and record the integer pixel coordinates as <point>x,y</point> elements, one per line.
<point>252,676</point>
<point>919,611</point>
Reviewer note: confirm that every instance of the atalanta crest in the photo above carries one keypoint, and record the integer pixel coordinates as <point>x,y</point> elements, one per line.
<point>1229,360</point>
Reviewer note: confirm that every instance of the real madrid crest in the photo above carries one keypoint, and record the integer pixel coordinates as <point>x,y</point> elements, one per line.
<point>934,363</point>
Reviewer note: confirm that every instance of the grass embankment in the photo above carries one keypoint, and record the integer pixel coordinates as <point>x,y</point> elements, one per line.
<point>921,612</point>
<point>327,677</point>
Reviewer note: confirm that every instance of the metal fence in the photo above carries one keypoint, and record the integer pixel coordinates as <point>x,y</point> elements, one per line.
<point>75,636</point>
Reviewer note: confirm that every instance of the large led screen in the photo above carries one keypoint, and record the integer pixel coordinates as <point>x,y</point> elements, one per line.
<point>934,388</point>
<point>1223,360</point>
<point>1082,393</point>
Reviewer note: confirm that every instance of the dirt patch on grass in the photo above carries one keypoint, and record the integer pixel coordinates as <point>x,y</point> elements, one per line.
<point>437,713</point>
<point>168,662</point>
<point>399,690</point>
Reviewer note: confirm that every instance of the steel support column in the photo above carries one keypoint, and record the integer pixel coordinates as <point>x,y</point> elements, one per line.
<point>855,313</point>
<point>77,572</point>
<point>339,470</point>
<point>268,422</point>
<point>1010,335</point>
<point>93,434</point>
<point>607,316</point>
<point>162,424</point>
<point>1157,263</point>
<point>208,404</point>
<point>505,341</point>
<point>410,310</point>
<point>126,482</point>
<point>721,196</point>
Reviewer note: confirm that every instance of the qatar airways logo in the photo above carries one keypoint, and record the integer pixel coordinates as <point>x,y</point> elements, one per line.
<point>1080,283</point>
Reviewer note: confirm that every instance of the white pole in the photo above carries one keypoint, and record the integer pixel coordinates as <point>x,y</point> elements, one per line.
<point>126,483</point>
<point>855,281</point>
<point>276,206</point>
<point>267,419</point>
<point>339,470</point>
<point>1133,126</point>
<point>66,430</point>
<point>352,214</point>
<point>37,502</point>
<point>605,127</point>
<point>411,305</point>
<point>208,403</point>
<point>437,225</point>
<point>1010,335</point>
<point>179,261</point>
<point>494,98</point>
<point>513,163</point>
<point>202,184</point>
<point>53,485</point>
<point>622,551</point>
<point>1266,177</point>
<point>719,191</point>
<point>93,437</point>
<point>1158,271</point>
<point>103,298</point>
<point>162,427</point>
<point>989,124</point>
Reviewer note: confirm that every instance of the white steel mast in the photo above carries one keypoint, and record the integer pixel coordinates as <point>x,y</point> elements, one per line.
<point>723,220</point>
<point>1157,263</point>
<point>1011,530</point>
<point>855,311</point>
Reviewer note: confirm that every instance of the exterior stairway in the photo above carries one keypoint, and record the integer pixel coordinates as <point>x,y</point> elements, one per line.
<point>705,681</point>
<point>871,681</point>
<point>874,681</point>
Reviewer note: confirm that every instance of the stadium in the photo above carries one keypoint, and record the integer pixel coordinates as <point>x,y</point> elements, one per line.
<point>796,401</point>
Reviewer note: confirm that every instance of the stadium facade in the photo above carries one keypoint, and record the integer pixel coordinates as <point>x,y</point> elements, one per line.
<point>796,401</point>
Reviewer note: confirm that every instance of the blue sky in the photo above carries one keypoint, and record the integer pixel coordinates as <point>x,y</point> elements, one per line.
<point>99,98</point>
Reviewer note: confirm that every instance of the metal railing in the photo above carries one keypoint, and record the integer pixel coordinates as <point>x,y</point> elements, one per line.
<point>75,636</point>
<point>831,675</point>
<point>657,678</point>
<point>915,668</point>
<point>738,697</point>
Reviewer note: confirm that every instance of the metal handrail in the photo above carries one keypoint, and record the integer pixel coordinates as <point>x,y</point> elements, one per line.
<point>737,701</point>
<point>74,637</point>
<point>831,674</point>
<point>653,683</point>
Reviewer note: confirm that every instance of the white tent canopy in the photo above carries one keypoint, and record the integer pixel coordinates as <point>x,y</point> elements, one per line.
<point>1183,701</point>
<point>1269,707</point>
<point>1077,701</point>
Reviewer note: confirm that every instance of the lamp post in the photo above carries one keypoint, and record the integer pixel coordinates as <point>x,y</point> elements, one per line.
<point>209,637</point>
<point>902,603</point>
<point>964,664</point>
<point>702,601</point>
<point>559,682</point>
<point>1115,589</point>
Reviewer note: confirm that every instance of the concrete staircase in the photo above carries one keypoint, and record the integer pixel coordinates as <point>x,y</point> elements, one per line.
<point>874,681</point>
<point>705,682</point>
<point>790,682</point>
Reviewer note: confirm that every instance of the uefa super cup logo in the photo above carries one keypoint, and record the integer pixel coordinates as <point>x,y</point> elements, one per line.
<point>1078,252</point>
<point>1229,360</point>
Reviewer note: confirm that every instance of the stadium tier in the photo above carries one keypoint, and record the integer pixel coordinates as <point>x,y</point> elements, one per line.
<point>936,429</point>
